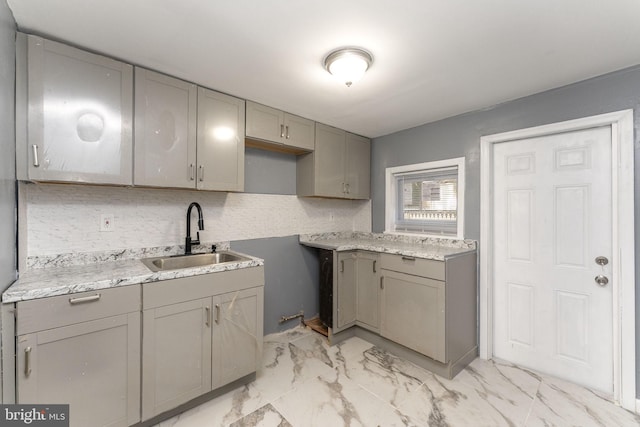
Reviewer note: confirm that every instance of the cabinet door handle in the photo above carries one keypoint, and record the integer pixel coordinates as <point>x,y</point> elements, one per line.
<point>82,300</point>
<point>382,282</point>
<point>348,190</point>
<point>281,131</point>
<point>191,170</point>
<point>36,163</point>
<point>217,314</point>
<point>201,168</point>
<point>408,258</point>
<point>207,316</point>
<point>342,266</point>
<point>27,361</point>
<point>374,266</point>
<point>287,127</point>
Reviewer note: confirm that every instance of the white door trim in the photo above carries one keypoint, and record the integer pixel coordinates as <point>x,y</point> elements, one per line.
<point>623,262</point>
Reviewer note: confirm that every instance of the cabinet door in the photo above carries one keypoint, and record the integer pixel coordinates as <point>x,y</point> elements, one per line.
<point>367,289</point>
<point>176,355</point>
<point>329,161</point>
<point>220,139</point>
<point>237,335</point>
<point>165,130</point>
<point>346,291</point>
<point>299,132</point>
<point>92,366</point>
<point>79,115</point>
<point>265,122</point>
<point>412,313</point>
<point>357,168</point>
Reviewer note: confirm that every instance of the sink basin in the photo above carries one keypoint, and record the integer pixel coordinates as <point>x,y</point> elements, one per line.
<point>177,262</point>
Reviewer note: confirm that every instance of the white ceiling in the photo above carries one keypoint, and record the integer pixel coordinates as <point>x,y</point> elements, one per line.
<point>432,58</point>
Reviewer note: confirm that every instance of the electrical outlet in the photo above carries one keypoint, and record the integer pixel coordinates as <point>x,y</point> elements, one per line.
<point>106,222</point>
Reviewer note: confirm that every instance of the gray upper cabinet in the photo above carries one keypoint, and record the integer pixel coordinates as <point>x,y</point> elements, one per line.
<point>271,128</point>
<point>165,130</point>
<point>187,136</point>
<point>339,167</point>
<point>220,141</point>
<point>73,114</point>
<point>358,165</point>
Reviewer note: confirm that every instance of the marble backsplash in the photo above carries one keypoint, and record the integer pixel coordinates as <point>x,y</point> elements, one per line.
<point>55,220</point>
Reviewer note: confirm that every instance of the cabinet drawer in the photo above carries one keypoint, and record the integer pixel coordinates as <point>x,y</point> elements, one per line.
<point>414,266</point>
<point>47,313</point>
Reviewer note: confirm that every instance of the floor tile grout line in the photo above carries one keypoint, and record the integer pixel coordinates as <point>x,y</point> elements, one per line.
<point>533,402</point>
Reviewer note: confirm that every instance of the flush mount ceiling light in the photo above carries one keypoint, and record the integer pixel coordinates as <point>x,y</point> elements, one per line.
<point>348,64</point>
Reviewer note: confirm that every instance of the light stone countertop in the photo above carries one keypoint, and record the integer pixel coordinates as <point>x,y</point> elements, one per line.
<point>427,248</point>
<point>68,278</point>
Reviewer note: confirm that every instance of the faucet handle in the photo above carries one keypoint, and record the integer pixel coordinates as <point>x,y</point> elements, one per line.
<point>197,241</point>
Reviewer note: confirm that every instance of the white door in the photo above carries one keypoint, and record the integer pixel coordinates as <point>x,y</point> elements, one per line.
<point>552,219</point>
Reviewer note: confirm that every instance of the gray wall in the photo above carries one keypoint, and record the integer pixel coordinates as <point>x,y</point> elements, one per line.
<point>267,172</point>
<point>291,279</point>
<point>7,150</point>
<point>291,270</point>
<point>460,136</point>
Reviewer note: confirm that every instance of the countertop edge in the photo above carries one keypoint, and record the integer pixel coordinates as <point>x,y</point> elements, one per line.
<point>379,247</point>
<point>14,294</point>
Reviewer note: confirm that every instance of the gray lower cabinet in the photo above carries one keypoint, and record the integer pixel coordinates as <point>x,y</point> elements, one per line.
<point>356,290</point>
<point>199,333</point>
<point>82,350</point>
<point>237,335</point>
<point>412,313</point>
<point>367,290</point>
<point>346,291</point>
<point>74,114</point>
<point>430,306</point>
<point>427,306</point>
<point>177,355</point>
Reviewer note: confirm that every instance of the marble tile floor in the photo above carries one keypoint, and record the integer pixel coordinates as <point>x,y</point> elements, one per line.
<point>304,383</point>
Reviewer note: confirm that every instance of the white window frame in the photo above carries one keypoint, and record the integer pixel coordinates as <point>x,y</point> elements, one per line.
<point>391,194</point>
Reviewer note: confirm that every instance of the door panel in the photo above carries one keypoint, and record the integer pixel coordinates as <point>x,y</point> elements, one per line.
<point>98,364</point>
<point>237,332</point>
<point>220,141</point>
<point>552,206</point>
<point>176,347</point>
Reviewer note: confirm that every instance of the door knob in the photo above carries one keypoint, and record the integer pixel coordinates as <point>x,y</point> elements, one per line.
<point>602,260</point>
<point>601,280</point>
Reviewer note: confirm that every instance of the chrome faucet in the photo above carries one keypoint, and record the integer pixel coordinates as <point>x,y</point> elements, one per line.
<point>187,241</point>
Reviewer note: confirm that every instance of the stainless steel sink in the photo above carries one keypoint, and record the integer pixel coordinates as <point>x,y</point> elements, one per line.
<point>177,262</point>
